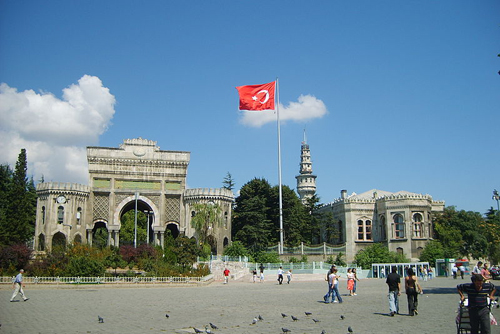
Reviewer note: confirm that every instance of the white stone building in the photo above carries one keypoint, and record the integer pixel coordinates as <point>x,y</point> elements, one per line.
<point>136,172</point>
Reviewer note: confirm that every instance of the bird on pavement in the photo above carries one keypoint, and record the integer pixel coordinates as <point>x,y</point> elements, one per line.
<point>207,330</point>
<point>349,329</point>
<point>213,326</point>
<point>167,316</point>
<point>323,332</point>
<point>315,320</point>
<point>284,315</point>
<point>294,318</point>
<point>308,313</point>
<point>254,321</point>
<point>285,330</point>
<point>101,320</point>
<point>260,317</point>
<point>196,330</point>
<point>342,317</point>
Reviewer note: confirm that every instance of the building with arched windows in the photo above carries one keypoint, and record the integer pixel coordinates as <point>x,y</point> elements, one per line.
<point>402,220</point>
<point>136,176</point>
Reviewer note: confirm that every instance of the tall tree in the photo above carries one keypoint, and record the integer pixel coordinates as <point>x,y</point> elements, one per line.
<point>251,224</point>
<point>228,182</point>
<point>21,206</point>
<point>491,229</point>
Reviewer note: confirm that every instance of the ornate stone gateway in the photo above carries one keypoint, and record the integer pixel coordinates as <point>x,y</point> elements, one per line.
<point>136,175</point>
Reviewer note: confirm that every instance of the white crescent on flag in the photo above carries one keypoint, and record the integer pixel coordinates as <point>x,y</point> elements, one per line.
<point>255,98</point>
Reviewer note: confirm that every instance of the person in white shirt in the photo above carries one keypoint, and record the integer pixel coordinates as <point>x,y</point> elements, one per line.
<point>280,275</point>
<point>18,286</point>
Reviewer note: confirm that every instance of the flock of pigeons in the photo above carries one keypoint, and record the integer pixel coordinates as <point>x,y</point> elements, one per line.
<point>210,330</point>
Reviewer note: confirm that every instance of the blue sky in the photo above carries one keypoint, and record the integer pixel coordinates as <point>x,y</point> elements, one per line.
<point>405,94</point>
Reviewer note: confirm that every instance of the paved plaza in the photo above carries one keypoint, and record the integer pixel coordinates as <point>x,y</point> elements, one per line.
<point>231,307</point>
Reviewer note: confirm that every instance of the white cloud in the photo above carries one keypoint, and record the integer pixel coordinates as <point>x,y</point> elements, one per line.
<point>307,107</point>
<point>54,131</point>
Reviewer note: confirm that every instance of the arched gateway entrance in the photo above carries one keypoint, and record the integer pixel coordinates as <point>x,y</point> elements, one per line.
<point>137,174</point>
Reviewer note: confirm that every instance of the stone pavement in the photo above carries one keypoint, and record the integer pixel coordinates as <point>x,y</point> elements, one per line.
<point>231,307</point>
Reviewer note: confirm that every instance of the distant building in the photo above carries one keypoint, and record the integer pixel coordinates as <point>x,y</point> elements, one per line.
<point>136,172</point>
<point>401,220</point>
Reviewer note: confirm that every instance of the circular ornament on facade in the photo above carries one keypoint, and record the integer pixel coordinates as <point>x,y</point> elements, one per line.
<point>61,199</point>
<point>139,152</point>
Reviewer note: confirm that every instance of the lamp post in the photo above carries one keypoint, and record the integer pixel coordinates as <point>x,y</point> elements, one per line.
<point>147,212</point>
<point>496,197</point>
<point>135,220</point>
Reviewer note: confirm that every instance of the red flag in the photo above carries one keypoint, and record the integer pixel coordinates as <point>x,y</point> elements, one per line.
<point>257,97</point>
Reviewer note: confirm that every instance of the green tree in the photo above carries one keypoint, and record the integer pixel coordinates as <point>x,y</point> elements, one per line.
<point>432,251</point>
<point>186,251</point>
<point>206,217</point>
<point>460,233</point>
<point>228,182</point>
<point>376,253</point>
<point>251,224</point>
<point>236,249</point>
<point>127,230</point>
<point>491,230</point>
<point>20,207</point>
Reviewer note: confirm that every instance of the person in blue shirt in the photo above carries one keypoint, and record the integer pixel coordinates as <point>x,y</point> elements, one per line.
<point>479,312</point>
<point>18,286</point>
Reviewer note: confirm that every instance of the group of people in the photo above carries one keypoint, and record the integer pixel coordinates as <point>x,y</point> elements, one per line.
<point>412,289</point>
<point>332,278</point>
<point>482,269</point>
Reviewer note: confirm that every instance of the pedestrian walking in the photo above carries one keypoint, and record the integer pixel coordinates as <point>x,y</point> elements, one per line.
<point>261,268</point>
<point>462,270</point>
<point>350,281</point>
<point>254,275</point>
<point>454,271</point>
<point>288,276</point>
<point>18,286</point>
<point>356,280</point>
<point>479,312</point>
<point>394,282</point>
<point>280,275</point>
<point>226,276</point>
<point>412,289</point>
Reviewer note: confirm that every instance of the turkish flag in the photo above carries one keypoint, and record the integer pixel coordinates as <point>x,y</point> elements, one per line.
<point>257,97</point>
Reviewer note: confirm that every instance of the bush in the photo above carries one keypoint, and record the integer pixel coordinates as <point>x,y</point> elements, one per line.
<point>293,259</point>
<point>264,257</point>
<point>84,266</point>
<point>13,258</point>
<point>236,249</point>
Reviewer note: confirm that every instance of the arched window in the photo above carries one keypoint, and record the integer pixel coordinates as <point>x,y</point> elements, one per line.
<point>364,230</point>
<point>418,231</point>
<point>399,226</point>
<point>78,216</point>
<point>60,214</point>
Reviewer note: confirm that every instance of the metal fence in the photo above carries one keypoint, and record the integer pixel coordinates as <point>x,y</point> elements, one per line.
<point>323,249</point>
<point>108,280</point>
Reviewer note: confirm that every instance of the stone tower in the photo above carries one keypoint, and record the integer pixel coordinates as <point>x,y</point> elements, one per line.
<point>306,181</point>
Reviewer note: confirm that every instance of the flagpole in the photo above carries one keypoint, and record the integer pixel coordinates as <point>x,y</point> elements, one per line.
<point>279,167</point>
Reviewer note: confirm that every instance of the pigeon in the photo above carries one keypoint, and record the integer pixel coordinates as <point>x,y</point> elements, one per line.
<point>315,320</point>
<point>196,330</point>
<point>308,313</point>
<point>101,320</point>
<point>213,326</point>
<point>284,315</point>
<point>260,317</point>
<point>294,318</point>
<point>323,332</point>
<point>208,331</point>
<point>167,316</point>
<point>349,329</point>
<point>285,330</point>
<point>342,317</point>
<point>254,321</point>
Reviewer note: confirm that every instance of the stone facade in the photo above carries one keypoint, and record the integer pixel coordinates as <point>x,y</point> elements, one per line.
<point>136,172</point>
<point>401,220</point>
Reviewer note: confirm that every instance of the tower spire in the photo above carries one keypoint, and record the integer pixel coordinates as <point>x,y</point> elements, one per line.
<point>306,181</point>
